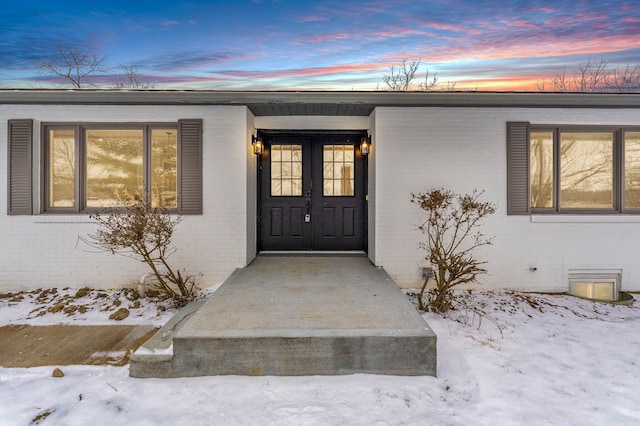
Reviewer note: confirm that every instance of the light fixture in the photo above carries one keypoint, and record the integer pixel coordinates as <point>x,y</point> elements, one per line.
<point>365,144</point>
<point>258,147</point>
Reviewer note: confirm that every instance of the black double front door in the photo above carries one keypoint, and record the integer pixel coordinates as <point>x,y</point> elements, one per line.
<point>311,192</point>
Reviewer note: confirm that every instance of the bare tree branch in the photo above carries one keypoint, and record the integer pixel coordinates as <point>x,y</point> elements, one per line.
<point>72,65</point>
<point>400,80</point>
<point>627,79</point>
<point>451,230</point>
<point>428,85</point>
<point>594,76</point>
<point>132,79</point>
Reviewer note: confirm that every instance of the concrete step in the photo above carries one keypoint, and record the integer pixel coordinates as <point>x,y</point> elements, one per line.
<point>295,316</point>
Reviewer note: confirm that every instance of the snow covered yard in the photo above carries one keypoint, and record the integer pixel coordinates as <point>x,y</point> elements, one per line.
<point>527,359</point>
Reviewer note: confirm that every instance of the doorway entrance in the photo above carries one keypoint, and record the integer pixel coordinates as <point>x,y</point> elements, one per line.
<point>312,192</point>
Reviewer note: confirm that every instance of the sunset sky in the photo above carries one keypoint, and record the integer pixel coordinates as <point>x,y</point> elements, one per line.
<point>320,45</point>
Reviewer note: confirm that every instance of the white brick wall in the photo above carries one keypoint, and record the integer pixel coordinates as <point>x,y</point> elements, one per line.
<point>44,251</point>
<point>414,149</point>
<point>464,149</point>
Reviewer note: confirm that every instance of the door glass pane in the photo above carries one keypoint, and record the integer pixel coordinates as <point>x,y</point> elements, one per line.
<point>114,166</point>
<point>632,169</point>
<point>164,160</point>
<point>62,167</point>
<point>586,170</point>
<point>286,170</point>
<point>541,169</point>
<point>338,170</point>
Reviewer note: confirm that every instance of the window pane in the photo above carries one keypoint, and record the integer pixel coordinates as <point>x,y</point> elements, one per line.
<point>338,170</point>
<point>62,168</point>
<point>632,169</point>
<point>114,166</point>
<point>164,160</point>
<point>586,170</point>
<point>541,169</point>
<point>603,291</point>
<point>286,170</point>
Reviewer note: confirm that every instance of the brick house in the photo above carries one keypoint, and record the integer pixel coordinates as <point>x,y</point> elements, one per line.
<point>564,170</point>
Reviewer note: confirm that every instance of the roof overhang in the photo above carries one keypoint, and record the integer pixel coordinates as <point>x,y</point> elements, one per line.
<point>328,103</point>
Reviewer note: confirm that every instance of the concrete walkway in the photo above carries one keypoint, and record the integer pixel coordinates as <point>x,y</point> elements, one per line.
<point>295,315</point>
<point>25,346</point>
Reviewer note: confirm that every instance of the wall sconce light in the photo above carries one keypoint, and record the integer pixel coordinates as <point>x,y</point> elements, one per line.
<point>365,144</point>
<point>258,147</point>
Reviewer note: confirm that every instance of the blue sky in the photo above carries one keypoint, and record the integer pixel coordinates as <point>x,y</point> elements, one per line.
<point>320,45</point>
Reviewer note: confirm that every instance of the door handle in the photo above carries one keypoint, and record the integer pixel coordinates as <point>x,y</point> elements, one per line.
<point>308,201</point>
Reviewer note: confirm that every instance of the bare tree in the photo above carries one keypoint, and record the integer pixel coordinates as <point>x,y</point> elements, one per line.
<point>428,85</point>
<point>130,78</point>
<point>73,65</point>
<point>627,79</point>
<point>400,80</point>
<point>593,76</point>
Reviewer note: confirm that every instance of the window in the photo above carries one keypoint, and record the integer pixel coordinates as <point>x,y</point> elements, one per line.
<point>92,166</point>
<point>286,170</point>
<point>599,286</point>
<point>569,169</point>
<point>338,170</point>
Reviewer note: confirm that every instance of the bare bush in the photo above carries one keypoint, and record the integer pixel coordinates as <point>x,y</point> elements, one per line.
<point>143,232</point>
<point>451,231</point>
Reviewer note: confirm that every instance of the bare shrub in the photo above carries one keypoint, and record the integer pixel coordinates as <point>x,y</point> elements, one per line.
<point>142,231</point>
<point>452,234</point>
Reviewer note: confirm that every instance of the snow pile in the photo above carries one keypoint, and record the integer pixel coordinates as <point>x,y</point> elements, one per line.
<point>507,358</point>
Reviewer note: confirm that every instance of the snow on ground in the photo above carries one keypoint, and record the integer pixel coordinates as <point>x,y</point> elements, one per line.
<point>507,359</point>
<point>85,307</point>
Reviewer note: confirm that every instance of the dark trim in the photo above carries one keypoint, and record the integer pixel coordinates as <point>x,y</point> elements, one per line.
<point>189,178</point>
<point>618,178</point>
<point>327,103</point>
<point>19,167</point>
<point>270,132</point>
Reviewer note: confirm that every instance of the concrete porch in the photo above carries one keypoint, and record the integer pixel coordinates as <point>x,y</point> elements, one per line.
<point>295,315</point>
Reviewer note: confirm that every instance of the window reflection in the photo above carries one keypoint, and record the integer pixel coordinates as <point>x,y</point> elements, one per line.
<point>114,166</point>
<point>541,169</point>
<point>164,170</point>
<point>632,169</point>
<point>62,167</point>
<point>586,170</point>
<point>338,170</point>
<point>286,170</point>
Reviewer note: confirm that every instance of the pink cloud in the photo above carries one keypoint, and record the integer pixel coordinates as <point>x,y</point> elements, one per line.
<point>303,72</point>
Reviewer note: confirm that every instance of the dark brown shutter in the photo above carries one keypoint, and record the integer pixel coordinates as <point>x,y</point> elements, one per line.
<point>20,139</point>
<point>190,168</point>
<point>517,168</point>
